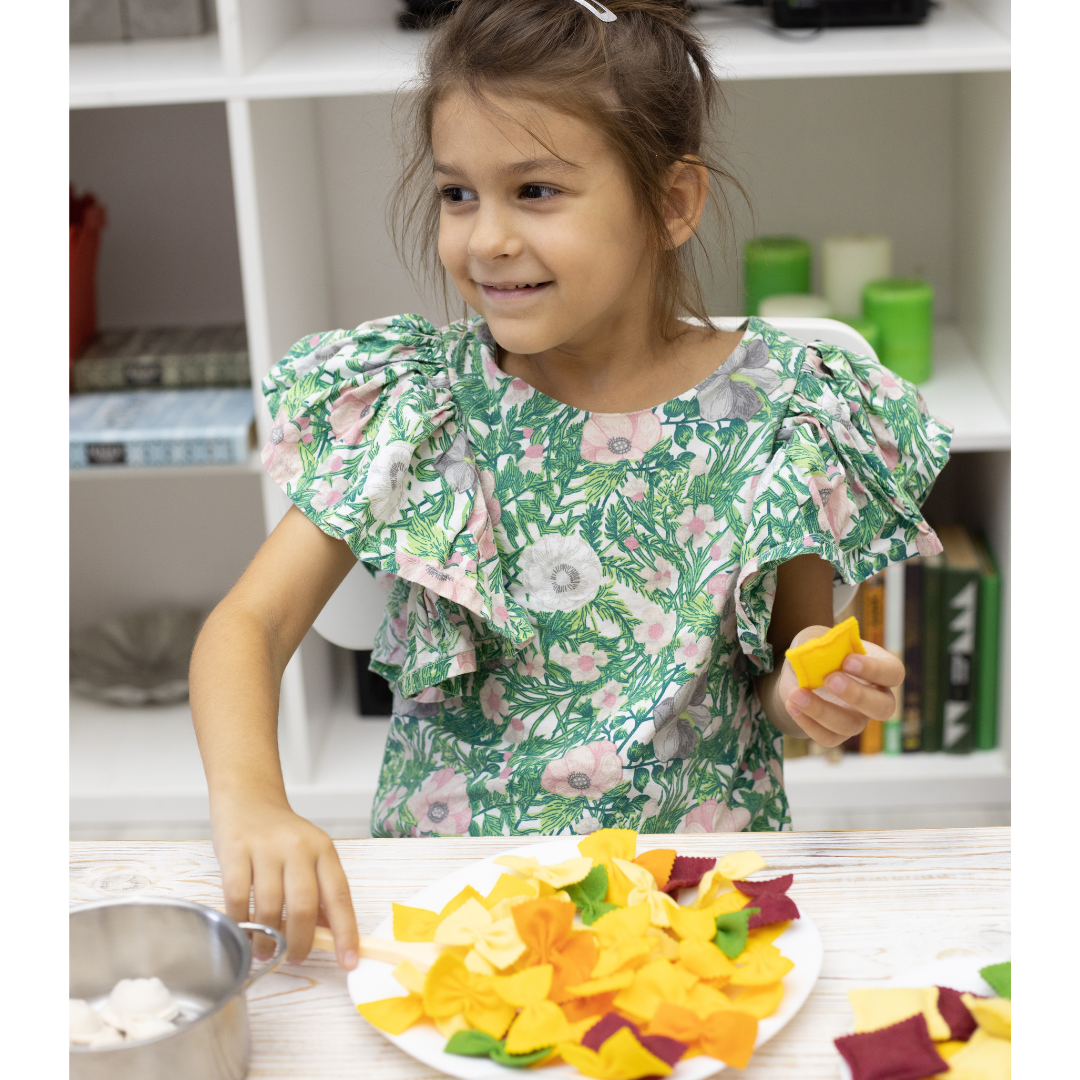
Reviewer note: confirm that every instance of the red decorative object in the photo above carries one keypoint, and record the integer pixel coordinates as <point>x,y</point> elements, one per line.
<point>901,1051</point>
<point>86,219</point>
<point>667,1050</point>
<point>772,908</point>
<point>956,1014</point>
<point>686,872</point>
<point>761,888</point>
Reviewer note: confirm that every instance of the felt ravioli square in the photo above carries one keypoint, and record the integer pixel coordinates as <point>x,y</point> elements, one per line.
<point>902,1051</point>
<point>879,1006</point>
<point>813,660</point>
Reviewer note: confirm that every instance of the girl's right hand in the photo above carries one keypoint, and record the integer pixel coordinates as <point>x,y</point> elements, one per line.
<point>287,860</point>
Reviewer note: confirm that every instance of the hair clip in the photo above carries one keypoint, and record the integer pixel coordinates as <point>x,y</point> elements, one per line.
<point>598,10</point>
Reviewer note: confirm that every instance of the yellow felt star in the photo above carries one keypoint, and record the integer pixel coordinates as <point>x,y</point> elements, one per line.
<point>813,660</point>
<point>761,965</point>
<point>644,891</point>
<point>555,877</point>
<point>541,1022</point>
<point>396,1014</point>
<point>984,1057</point>
<point>655,982</point>
<point>450,988</point>
<point>993,1015</point>
<point>758,1001</point>
<point>880,1006</point>
<point>621,1057</point>
<point>497,942</point>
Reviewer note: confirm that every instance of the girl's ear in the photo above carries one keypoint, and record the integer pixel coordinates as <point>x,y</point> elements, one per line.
<point>688,188</point>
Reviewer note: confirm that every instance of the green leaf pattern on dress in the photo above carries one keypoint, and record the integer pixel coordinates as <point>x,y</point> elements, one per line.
<point>578,601</point>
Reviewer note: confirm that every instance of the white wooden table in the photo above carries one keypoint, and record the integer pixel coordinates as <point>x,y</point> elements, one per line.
<point>883,901</point>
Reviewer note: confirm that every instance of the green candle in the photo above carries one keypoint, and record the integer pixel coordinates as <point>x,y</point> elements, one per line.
<point>903,309</point>
<point>775,264</point>
<point>865,327</point>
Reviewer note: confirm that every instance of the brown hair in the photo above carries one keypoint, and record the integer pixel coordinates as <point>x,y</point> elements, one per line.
<point>644,82</point>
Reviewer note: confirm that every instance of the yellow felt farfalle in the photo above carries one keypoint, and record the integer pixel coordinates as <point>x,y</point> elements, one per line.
<point>759,966</point>
<point>603,847</point>
<point>704,959</point>
<point>758,1001</point>
<point>414,924</point>
<point>881,1006</point>
<point>690,923</point>
<point>509,887</point>
<point>450,988</point>
<point>621,926</point>
<point>625,956</point>
<point>984,1057</point>
<point>395,1014</point>
<point>719,880</point>
<point>993,1015</point>
<point>665,947</point>
<point>472,924</point>
<point>644,891</point>
<point>621,1057</point>
<point>466,894</point>
<point>766,935</point>
<point>620,980</point>
<point>448,1026</point>
<point>704,999</point>
<point>541,1022</point>
<point>558,876</point>
<point>409,977</point>
<point>655,982</point>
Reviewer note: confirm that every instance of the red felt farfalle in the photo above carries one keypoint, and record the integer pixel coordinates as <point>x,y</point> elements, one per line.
<point>666,1049</point>
<point>776,885</point>
<point>686,872</point>
<point>773,908</point>
<point>956,1014</point>
<point>901,1051</point>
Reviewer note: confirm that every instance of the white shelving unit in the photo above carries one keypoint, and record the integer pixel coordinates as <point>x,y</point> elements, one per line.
<point>900,130</point>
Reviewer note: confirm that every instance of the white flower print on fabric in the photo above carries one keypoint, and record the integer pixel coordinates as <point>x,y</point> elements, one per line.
<point>697,525</point>
<point>584,666</point>
<point>733,391</point>
<point>559,573</point>
<point>608,700</point>
<point>661,575</point>
<point>586,771</point>
<point>656,629</point>
<point>492,700</point>
<point>387,482</point>
<point>609,437</point>
<point>677,718</point>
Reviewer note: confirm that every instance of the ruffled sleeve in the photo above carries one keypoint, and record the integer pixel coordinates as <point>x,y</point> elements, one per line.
<point>851,462</point>
<point>368,442</point>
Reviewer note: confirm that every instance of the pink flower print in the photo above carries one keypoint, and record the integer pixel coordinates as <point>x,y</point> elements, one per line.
<point>631,543</point>
<point>492,703</point>
<point>661,575</point>
<point>692,651</point>
<point>500,614</point>
<point>395,796</point>
<point>527,432</point>
<point>517,392</point>
<point>479,527</point>
<point>585,665</point>
<point>329,494</point>
<point>487,486</point>
<point>927,542</point>
<point>588,771</point>
<point>442,805</point>
<point>718,587</point>
<point>281,455</point>
<point>533,459</point>
<point>722,548</point>
<point>610,437</point>
<point>887,383</point>
<point>655,630</point>
<point>761,780</point>
<point>635,489</point>
<point>351,412</point>
<point>697,525</point>
<point>714,817</point>
<point>452,582</point>
<point>607,701</point>
<point>830,495</point>
<point>531,665</point>
<point>514,732</point>
<point>887,449</point>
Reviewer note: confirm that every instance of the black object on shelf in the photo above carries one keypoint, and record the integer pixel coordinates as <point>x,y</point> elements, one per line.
<point>819,14</point>
<point>373,694</point>
<point>424,14</point>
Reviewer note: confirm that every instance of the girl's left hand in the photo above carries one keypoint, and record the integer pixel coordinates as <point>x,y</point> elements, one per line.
<point>863,690</point>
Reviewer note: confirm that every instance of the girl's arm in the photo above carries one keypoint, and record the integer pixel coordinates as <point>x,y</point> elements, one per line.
<point>236,671</point>
<point>802,609</point>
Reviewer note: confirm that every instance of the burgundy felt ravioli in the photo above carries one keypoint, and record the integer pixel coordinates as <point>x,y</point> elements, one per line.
<point>761,888</point>
<point>956,1014</point>
<point>901,1051</point>
<point>686,872</point>
<point>772,908</point>
<point>667,1050</point>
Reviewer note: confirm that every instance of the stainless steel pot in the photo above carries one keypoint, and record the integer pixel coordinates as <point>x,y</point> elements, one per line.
<point>201,955</point>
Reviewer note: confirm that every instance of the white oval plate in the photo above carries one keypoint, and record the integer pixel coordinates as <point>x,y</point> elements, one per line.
<point>956,972</point>
<point>372,980</point>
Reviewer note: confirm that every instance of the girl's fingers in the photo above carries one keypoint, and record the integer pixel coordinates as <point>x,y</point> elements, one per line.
<point>875,702</point>
<point>840,721</point>
<point>268,900</point>
<point>236,883</point>
<point>302,908</point>
<point>337,904</point>
<point>876,666</point>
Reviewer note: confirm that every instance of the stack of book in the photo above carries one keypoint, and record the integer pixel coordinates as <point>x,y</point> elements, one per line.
<point>942,615</point>
<point>160,397</point>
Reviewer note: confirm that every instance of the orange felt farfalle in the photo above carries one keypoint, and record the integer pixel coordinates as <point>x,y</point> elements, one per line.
<point>758,1001</point>
<point>658,862</point>
<point>546,928</point>
<point>727,1035</point>
<point>588,1008</point>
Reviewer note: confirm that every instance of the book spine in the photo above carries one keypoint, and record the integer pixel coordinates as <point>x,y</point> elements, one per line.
<point>167,372</point>
<point>894,642</point>
<point>154,453</point>
<point>911,729</point>
<point>853,745</point>
<point>933,568</point>
<point>959,625</point>
<point>872,739</point>
<point>989,645</point>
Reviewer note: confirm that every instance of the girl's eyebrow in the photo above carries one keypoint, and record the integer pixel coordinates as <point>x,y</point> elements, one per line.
<point>517,168</point>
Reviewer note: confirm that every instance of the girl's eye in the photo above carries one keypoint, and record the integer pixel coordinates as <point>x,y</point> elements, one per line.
<point>538,191</point>
<point>457,194</point>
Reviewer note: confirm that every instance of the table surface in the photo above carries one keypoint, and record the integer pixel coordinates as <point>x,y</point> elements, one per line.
<point>883,901</point>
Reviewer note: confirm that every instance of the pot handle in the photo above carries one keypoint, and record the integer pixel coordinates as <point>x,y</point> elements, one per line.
<point>275,961</point>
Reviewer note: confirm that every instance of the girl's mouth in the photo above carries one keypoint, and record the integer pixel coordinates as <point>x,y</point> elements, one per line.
<point>512,291</point>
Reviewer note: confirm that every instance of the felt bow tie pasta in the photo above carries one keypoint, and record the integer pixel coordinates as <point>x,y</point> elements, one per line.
<point>594,962</point>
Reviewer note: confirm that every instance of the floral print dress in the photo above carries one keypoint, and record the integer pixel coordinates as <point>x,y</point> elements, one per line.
<point>578,601</point>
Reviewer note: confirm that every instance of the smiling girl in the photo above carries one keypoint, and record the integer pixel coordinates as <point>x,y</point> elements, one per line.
<point>601,524</point>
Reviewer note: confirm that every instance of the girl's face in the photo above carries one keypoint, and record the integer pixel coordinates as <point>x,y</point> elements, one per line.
<point>551,254</point>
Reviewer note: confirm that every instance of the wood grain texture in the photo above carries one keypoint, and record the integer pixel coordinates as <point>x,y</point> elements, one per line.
<point>883,901</point>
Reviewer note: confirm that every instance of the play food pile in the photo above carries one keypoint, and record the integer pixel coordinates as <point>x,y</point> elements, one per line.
<point>931,1032</point>
<point>593,962</point>
<point>136,1009</point>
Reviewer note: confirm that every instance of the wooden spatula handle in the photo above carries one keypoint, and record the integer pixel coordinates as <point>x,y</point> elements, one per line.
<point>421,954</point>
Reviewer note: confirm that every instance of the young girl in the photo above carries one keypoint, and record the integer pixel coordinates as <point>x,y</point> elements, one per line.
<point>602,526</point>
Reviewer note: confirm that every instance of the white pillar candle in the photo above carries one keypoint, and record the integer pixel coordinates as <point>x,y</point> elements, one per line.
<point>805,305</point>
<point>848,264</point>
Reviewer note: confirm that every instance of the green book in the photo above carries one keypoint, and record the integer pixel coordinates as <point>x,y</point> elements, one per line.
<point>989,646</point>
<point>933,569</point>
<point>959,639</point>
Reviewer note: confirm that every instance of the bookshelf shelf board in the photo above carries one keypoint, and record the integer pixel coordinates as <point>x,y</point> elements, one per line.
<point>146,72</point>
<point>959,394</point>
<point>378,58</point>
<point>253,465</point>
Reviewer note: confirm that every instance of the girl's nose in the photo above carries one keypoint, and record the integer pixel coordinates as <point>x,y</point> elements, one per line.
<point>493,235</point>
